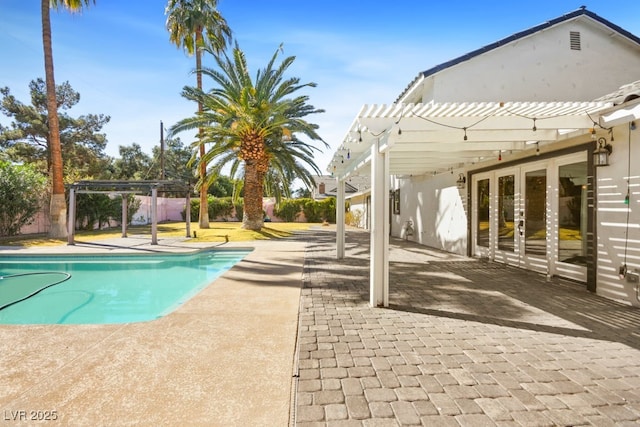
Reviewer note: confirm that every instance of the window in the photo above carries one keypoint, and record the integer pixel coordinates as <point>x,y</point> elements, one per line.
<point>396,202</point>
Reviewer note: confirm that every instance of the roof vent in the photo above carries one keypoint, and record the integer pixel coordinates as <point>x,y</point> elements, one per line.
<point>574,40</point>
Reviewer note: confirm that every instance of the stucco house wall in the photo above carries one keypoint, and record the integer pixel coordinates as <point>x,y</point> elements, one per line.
<point>618,224</point>
<point>437,210</point>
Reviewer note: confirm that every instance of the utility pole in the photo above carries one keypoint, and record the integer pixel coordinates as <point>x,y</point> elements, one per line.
<point>161,151</point>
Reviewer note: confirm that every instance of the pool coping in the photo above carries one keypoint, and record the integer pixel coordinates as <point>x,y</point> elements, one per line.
<point>224,357</point>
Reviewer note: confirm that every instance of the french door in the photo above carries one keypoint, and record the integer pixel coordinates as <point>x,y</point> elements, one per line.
<point>533,216</point>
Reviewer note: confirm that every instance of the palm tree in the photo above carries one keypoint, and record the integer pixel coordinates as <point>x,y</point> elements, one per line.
<point>252,126</point>
<point>189,22</point>
<point>58,205</point>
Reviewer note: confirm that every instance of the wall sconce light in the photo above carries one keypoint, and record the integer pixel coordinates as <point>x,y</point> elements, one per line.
<point>601,153</point>
<point>461,182</point>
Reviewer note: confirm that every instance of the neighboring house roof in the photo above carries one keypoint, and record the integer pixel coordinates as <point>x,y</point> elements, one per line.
<point>348,188</point>
<point>359,184</point>
<point>582,11</point>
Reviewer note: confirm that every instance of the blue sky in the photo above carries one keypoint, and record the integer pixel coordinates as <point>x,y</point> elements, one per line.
<point>117,53</point>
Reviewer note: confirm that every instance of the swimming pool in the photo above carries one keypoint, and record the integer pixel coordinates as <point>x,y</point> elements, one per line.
<point>106,288</point>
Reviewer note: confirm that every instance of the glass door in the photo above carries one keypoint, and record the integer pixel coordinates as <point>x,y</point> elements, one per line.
<point>534,216</point>
<point>481,211</point>
<point>532,224</point>
<point>507,211</point>
<point>571,253</point>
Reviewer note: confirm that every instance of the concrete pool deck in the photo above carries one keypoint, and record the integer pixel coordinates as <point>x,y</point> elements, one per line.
<point>225,357</point>
<point>465,343</point>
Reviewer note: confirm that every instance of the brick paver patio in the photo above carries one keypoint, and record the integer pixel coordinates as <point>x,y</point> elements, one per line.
<point>465,342</point>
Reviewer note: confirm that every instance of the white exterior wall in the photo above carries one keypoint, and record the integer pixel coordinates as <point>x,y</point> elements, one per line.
<point>359,211</point>
<point>611,217</point>
<point>437,209</point>
<point>541,67</point>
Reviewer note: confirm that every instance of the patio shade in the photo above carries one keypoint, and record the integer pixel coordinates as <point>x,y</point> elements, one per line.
<point>434,138</point>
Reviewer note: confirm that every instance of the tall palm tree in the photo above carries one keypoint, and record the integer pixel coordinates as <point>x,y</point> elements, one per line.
<point>252,126</point>
<point>194,24</point>
<point>58,205</point>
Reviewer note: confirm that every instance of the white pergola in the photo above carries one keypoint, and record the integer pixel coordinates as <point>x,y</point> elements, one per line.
<point>419,139</point>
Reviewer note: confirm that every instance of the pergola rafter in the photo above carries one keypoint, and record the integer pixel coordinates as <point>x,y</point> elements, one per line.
<point>468,132</point>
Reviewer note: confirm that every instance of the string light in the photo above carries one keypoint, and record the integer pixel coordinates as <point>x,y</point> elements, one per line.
<point>465,137</point>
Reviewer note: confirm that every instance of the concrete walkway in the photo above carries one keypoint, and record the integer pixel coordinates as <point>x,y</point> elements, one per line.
<point>464,343</point>
<point>224,358</point>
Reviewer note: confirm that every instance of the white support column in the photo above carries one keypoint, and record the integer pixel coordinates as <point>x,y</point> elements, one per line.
<point>379,264</point>
<point>71,225</point>
<point>154,216</point>
<point>125,215</point>
<point>340,227</point>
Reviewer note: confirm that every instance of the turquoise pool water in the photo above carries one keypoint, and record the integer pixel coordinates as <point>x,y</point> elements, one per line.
<point>107,288</point>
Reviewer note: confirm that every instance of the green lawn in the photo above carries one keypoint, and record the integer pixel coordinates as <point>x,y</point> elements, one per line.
<point>218,232</point>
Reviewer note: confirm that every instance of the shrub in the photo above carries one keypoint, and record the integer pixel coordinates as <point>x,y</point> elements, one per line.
<point>195,211</point>
<point>21,190</point>
<point>289,209</point>
<point>327,209</point>
<point>239,205</point>
<point>220,208</point>
<point>311,210</point>
<point>353,218</point>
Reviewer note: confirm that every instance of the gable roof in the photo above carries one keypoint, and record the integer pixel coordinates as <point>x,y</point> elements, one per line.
<point>582,11</point>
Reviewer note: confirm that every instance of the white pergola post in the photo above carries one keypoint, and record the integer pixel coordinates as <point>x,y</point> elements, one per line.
<point>124,214</point>
<point>71,225</point>
<point>340,226</point>
<point>154,216</point>
<point>379,264</point>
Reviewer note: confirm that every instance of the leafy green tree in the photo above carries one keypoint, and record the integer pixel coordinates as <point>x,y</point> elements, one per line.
<point>176,159</point>
<point>223,186</point>
<point>22,190</point>
<point>133,164</point>
<point>192,25</point>
<point>58,206</point>
<point>253,126</point>
<point>302,192</point>
<point>94,210</point>
<point>27,137</point>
